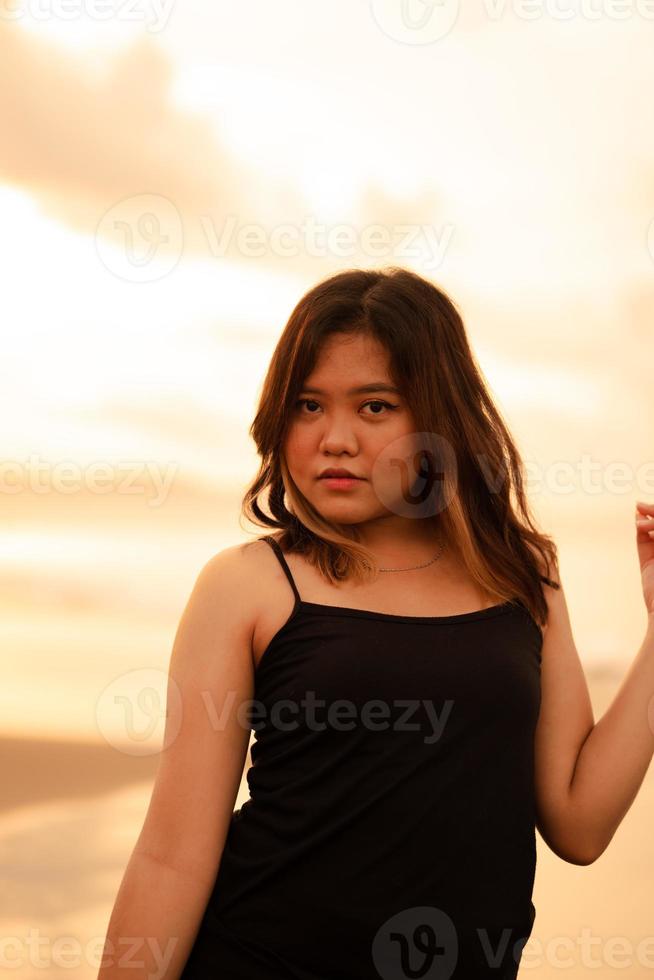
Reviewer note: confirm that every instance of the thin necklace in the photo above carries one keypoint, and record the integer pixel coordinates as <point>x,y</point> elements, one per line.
<point>413,567</point>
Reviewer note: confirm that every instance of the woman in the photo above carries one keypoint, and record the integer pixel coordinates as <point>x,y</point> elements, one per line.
<point>401,648</point>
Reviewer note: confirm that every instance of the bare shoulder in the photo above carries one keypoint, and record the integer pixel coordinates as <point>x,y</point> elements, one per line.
<point>242,575</point>
<point>551,585</point>
<point>256,556</point>
<point>226,580</point>
<point>224,570</point>
<point>237,559</point>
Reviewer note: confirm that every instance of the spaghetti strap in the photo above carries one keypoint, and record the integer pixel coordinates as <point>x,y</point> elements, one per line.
<point>282,561</point>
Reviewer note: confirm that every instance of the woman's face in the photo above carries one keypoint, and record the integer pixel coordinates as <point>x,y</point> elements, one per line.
<point>371,434</point>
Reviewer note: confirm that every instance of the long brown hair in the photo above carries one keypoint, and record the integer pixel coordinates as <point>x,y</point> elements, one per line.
<point>434,368</point>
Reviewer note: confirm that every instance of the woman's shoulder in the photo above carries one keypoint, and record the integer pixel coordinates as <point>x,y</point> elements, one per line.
<point>252,563</point>
<point>235,588</point>
<point>242,554</point>
<point>252,550</point>
<point>234,570</point>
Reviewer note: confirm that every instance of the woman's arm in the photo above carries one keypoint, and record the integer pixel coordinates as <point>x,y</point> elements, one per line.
<point>154,921</point>
<point>173,867</point>
<point>616,755</point>
<point>588,773</point>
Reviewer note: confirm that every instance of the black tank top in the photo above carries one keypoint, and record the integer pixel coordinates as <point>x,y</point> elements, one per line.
<point>390,830</point>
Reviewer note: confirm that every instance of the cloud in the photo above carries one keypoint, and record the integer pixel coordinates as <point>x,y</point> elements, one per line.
<point>102,146</point>
<point>82,138</point>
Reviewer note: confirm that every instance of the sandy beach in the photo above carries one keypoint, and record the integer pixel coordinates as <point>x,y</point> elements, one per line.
<point>71,813</point>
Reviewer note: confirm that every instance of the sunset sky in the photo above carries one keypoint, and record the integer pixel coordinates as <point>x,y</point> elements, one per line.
<point>172,181</point>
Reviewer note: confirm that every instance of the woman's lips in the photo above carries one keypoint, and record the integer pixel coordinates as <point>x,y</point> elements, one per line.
<point>340,482</point>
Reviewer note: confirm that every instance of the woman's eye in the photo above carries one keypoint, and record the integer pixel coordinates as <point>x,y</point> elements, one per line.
<point>376,401</point>
<point>385,404</point>
<point>305,401</point>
